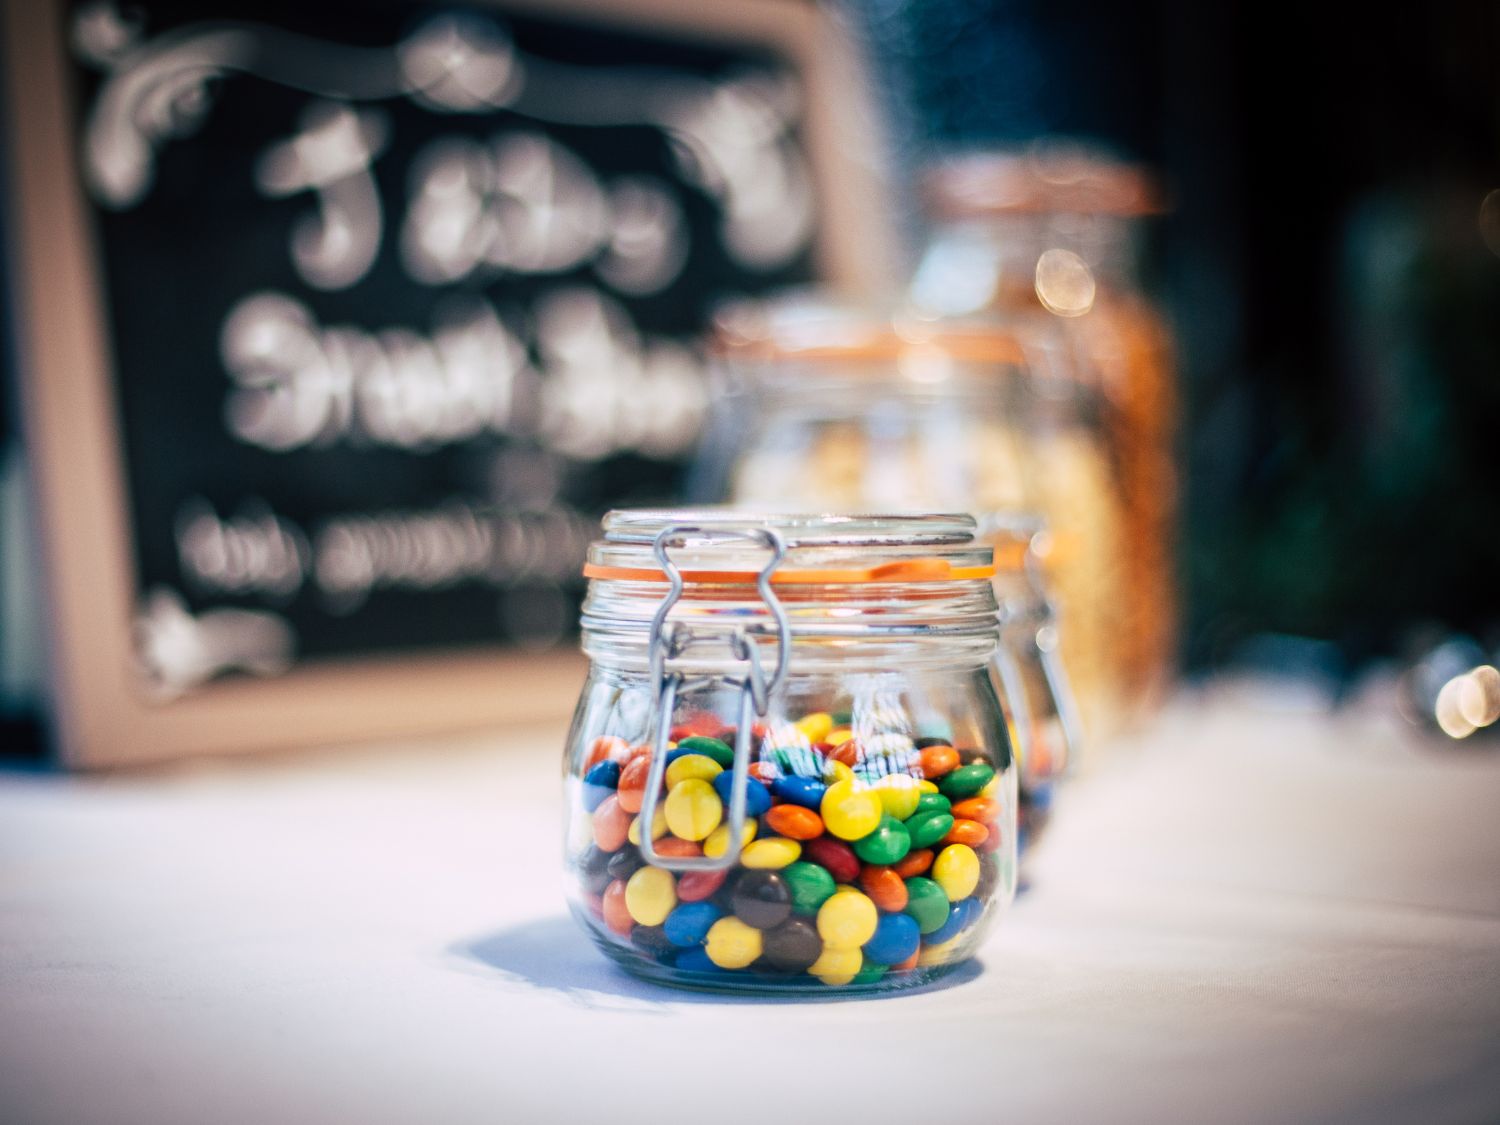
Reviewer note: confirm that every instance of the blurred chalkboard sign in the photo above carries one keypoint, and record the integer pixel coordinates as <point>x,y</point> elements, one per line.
<point>342,322</point>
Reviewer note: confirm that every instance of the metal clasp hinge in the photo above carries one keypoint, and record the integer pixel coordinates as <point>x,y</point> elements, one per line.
<point>668,641</point>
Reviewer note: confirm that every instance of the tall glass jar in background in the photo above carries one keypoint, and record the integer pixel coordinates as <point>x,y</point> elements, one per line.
<point>838,409</point>
<point>1047,242</point>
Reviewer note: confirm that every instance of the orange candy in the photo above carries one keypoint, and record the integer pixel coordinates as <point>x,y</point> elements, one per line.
<point>795,822</point>
<point>939,760</point>
<point>632,791</point>
<point>606,747</point>
<point>909,963</point>
<point>848,752</point>
<point>914,863</point>
<point>611,825</point>
<point>982,809</point>
<point>764,771</point>
<point>671,845</point>
<point>885,888</point>
<point>616,917</point>
<point>969,832</point>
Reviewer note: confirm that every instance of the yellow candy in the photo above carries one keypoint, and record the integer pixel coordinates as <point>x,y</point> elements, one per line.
<point>731,944</point>
<point>689,766</point>
<point>847,920</point>
<point>839,737</point>
<point>693,809</point>
<point>899,794</point>
<point>927,786</point>
<point>650,895</point>
<point>718,840</point>
<point>956,870</point>
<point>658,827</point>
<point>850,811</point>
<point>938,954</point>
<point>836,771</point>
<point>837,966</point>
<point>815,726</point>
<point>772,853</point>
<point>991,787</point>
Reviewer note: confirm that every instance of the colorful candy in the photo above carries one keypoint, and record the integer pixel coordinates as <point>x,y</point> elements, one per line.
<point>811,886</point>
<point>650,895</point>
<point>966,781</point>
<point>693,809</point>
<point>860,857</point>
<point>772,852</point>
<point>851,811</point>
<point>956,870</point>
<point>716,749</point>
<point>732,944</point>
<point>761,899</point>
<point>795,822</point>
<point>847,919</point>
<point>689,766</point>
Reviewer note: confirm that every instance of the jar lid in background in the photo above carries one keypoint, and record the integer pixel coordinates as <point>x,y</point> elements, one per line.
<point>806,327</point>
<point>1045,179</point>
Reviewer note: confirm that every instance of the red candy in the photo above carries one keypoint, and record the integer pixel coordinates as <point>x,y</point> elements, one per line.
<point>695,886</point>
<point>835,855</point>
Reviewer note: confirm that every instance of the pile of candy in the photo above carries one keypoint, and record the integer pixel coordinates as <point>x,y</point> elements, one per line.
<point>860,857</point>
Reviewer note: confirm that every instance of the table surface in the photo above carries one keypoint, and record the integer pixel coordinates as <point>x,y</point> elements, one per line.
<point>1242,915</point>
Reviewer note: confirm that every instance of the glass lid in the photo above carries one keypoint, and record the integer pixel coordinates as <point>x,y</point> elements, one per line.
<point>724,545</point>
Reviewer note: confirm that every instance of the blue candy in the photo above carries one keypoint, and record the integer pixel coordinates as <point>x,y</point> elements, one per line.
<point>757,796</point>
<point>896,938</point>
<point>599,783</point>
<point>688,923</point>
<point>963,914</point>
<point>805,791</point>
<point>696,960</point>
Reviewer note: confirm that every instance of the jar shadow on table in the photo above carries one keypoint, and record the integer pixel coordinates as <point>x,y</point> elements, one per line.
<point>553,955</point>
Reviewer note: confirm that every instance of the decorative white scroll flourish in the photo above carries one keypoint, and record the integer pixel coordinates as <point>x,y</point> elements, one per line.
<point>733,138</point>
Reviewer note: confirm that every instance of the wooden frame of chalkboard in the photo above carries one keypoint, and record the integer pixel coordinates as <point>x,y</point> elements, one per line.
<point>74,433</point>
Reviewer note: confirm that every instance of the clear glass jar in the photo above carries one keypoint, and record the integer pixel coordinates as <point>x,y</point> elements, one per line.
<point>801,709</point>
<point>1036,690</point>
<point>1047,243</point>
<point>844,410</point>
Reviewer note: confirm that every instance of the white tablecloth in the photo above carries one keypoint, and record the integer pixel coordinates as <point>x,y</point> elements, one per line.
<point>1244,916</point>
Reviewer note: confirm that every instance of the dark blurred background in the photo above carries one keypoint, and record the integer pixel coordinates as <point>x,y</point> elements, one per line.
<point>1330,267</point>
<point>1334,290</point>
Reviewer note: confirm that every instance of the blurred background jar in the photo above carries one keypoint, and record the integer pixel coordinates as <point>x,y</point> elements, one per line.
<point>1047,243</point>
<point>831,407</point>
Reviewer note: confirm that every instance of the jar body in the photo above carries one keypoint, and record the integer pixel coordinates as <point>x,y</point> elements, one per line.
<point>879,841</point>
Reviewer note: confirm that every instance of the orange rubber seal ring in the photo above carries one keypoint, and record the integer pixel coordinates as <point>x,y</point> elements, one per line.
<point>905,570</point>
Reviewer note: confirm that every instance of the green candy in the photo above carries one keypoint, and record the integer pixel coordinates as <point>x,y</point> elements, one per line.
<point>869,973</point>
<point>966,781</point>
<point>932,802</point>
<point>927,903</point>
<point>926,829</point>
<point>888,843</point>
<point>720,752</point>
<point>811,885</point>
